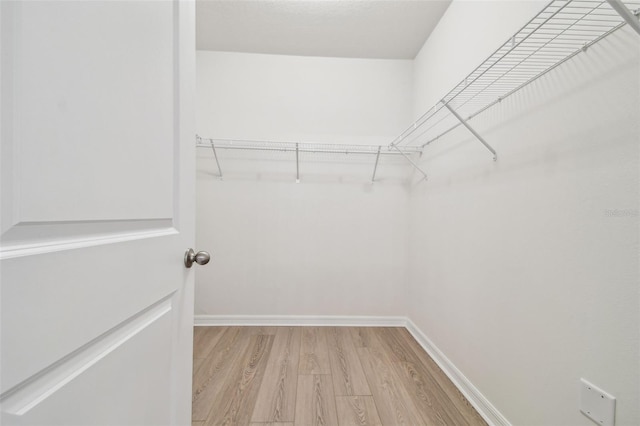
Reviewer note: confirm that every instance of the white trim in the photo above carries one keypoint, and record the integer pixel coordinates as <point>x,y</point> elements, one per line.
<point>10,252</point>
<point>300,320</point>
<point>488,412</point>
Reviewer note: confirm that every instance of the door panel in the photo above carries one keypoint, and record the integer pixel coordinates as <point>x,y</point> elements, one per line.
<point>97,210</point>
<point>84,388</point>
<point>83,294</point>
<point>102,87</point>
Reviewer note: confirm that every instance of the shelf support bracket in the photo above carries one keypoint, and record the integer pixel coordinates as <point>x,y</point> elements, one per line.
<point>415,166</point>
<point>375,167</point>
<point>215,155</point>
<point>626,14</point>
<point>297,164</point>
<point>465,124</point>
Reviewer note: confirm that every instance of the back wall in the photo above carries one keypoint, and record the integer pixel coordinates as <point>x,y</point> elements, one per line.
<point>334,244</point>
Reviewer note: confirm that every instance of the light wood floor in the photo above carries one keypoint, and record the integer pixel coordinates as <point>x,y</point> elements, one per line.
<point>286,376</point>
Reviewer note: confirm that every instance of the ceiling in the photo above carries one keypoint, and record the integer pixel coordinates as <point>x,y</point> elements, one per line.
<point>389,29</point>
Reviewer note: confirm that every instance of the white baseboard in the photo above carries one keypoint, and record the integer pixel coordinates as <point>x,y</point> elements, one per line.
<point>488,412</point>
<point>301,320</point>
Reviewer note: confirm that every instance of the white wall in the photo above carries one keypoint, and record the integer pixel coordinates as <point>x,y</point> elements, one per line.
<point>333,244</point>
<point>518,271</point>
<point>331,100</point>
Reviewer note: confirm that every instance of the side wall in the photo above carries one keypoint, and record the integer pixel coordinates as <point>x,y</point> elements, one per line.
<point>525,272</point>
<point>333,244</point>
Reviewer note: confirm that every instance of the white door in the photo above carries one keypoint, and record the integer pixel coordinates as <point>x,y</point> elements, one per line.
<point>97,211</point>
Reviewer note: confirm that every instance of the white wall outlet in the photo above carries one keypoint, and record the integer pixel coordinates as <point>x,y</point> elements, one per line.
<point>596,404</point>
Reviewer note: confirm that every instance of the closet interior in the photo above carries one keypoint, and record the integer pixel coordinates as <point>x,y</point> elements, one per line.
<point>500,226</point>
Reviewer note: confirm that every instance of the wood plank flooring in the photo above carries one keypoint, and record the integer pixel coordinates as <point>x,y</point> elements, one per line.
<point>324,376</point>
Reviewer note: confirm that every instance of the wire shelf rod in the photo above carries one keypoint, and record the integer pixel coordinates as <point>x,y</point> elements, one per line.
<point>522,61</point>
<point>508,51</point>
<point>501,98</point>
<point>563,29</point>
<point>302,147</point>
<point>314,148</point>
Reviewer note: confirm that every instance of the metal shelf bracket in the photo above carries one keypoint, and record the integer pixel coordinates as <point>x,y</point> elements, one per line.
<point>626,14</point>
<point>375,167</point>
<point>297,164</point>
<point>415,166</point>
<point>465,124</point>
<point>215,155</point>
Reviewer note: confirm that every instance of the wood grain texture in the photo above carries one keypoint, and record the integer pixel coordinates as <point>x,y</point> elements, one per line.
<point>212,374</point>
<point>363,337</point>
<point>395,406</point>
<point>272,424</point>
<point>281,376</point>
<point>277,395</point>
<point>204,340</point>
<point>423,388</point>
<point>357,411</point>
<point>197,362</point>
<point>427,377</point>
<point>315,404</point>
<point>314,354</point>
<point>234,404</point>
<point>264,330</point>
<point>346,370</point>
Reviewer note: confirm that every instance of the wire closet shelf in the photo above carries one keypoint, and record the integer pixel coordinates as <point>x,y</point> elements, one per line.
<point>563,29</point>
<point>302,148</point>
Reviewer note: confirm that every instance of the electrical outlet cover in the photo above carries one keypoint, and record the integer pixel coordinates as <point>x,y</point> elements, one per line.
<point>596,404</point>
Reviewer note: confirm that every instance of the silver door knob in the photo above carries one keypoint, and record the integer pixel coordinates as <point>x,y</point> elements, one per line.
<point>201,258</point>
